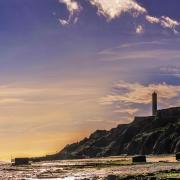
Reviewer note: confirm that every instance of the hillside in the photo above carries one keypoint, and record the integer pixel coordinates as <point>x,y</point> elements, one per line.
<point>158,134</point>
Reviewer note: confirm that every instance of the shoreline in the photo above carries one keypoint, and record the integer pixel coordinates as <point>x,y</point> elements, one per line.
<point>93,169</point>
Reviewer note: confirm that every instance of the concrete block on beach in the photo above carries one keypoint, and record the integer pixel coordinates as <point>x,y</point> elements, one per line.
<point>21,161</point>
<point>139,158</point>
<point>178,156</point>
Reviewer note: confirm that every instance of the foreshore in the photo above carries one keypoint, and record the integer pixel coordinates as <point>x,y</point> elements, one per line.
<point>111,168</point>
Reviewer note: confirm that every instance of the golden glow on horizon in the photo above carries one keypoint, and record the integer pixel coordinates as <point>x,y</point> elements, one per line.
<point>33,145</point>
<point>40,120</point>
<point>46,118</point>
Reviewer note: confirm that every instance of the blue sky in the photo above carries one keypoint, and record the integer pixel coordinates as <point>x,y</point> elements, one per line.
<point>68,67</point>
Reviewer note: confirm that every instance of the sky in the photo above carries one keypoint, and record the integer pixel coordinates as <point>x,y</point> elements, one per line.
<point>69,67</point>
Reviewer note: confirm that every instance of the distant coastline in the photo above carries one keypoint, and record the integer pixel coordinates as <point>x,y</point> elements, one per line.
<point>145,135</point>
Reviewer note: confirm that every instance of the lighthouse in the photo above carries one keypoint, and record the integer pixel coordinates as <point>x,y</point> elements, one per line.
<point>154,104</point>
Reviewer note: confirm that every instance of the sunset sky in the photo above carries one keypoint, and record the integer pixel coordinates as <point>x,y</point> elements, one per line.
<point>69,67</point>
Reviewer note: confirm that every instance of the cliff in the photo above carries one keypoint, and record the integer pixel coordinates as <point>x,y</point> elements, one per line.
<point>145,135</point>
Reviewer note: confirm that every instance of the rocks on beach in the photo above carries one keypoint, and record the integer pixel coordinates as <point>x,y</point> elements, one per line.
<point>21,161</point>
<point>178,156</point>
<point>139,158</point>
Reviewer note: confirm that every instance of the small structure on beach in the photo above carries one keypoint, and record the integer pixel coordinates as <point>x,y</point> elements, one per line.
<point>21,161</point>
<point>139,158</point>
<point>178,156</point>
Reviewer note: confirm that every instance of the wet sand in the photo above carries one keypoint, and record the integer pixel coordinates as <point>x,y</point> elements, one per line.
<point>101,168</point>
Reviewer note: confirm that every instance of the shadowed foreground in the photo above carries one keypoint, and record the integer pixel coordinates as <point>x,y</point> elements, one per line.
<point>111,168</point>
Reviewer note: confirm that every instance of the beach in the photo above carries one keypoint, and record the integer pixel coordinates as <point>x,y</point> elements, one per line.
<point>119,167</point>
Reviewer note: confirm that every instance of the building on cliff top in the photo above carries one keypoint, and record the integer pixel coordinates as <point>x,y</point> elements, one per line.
<point>168,113</point>
<point>154,103</point>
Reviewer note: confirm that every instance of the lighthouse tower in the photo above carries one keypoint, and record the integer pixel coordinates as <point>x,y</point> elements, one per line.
<point>154,104</point>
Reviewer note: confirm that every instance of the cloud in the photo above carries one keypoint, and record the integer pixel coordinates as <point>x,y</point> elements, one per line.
<point>170,70</point>
<point>139,29</point>
<point>72,5</point>
<point>155,50</point>
<point>142,43</point>
<point>63,22</point>
<point>74,8</point>
<point>40,95</point>
<point>167,22</point>
<point>134,97</point>
<point>129,111</point>
<point>109,9</point>
<point>152,19</point>
<point>4,101</point>
<point>138,93</point>
<point>114,9</point>
<point>137,54</point>
<point>164,21</point>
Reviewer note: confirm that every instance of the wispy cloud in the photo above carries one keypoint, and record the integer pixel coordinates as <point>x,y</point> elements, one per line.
<point>63,22</point>
<point>157,50</point>
<point>114,9</point>
<point>73,8</point>
<point>139,29</point>
<point>138,93</point>
<point>72,5</point>
<point>115,55</point>
<point>168,22</point>
<point>133,97</point>
<point>37,95</point>
<point>142,43</point>
<point>152,19</point>
<point>164,21</point>
<point>126,110</point>
<point>170,70</point>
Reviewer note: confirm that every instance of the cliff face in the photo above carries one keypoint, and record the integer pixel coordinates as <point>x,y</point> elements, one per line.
<point>145,135</point>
